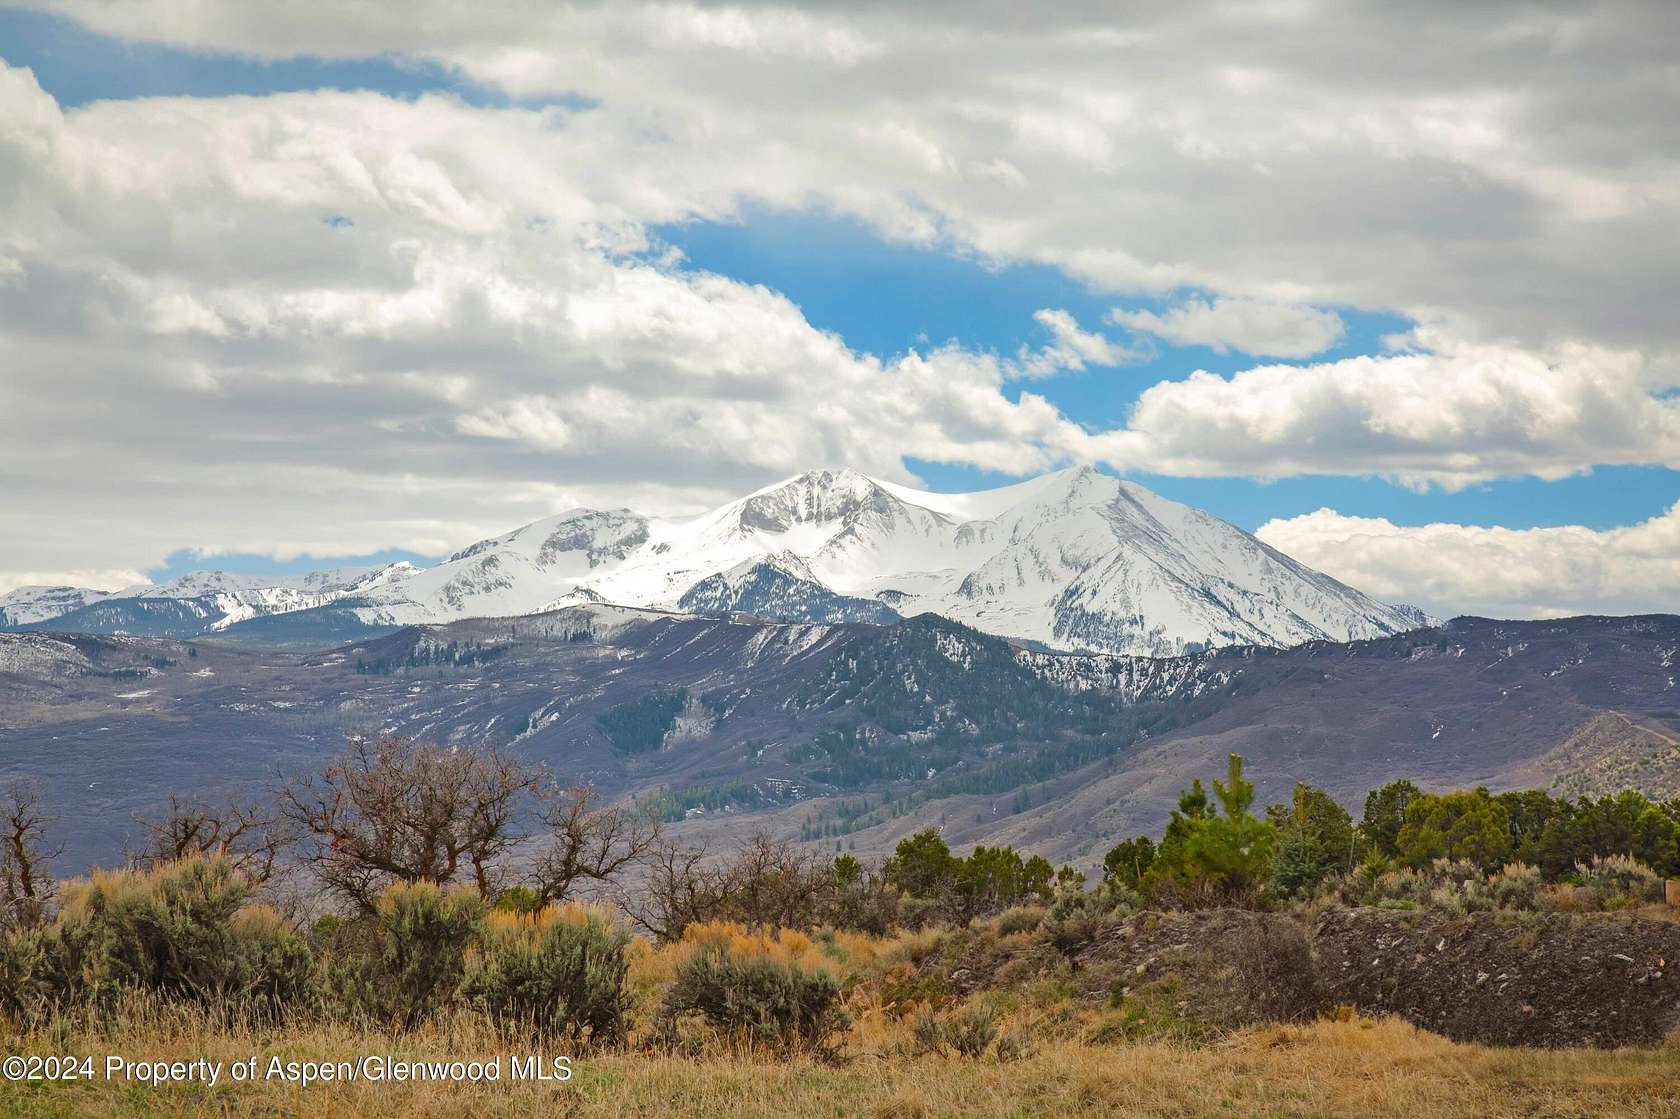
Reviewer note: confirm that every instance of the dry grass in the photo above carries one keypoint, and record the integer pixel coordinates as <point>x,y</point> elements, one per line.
<point>1348,1067</point>
<point>1331,1068</point>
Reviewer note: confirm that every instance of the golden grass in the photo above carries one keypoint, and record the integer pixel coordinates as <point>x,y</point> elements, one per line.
<point>1353,1067</point>
<point>1347,1067</point>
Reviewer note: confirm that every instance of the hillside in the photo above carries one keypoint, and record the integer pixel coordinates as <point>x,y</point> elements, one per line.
<point>853,730</point>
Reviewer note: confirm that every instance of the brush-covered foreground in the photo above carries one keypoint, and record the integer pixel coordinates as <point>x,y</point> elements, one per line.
<point>1353,1067</point>
<point>895,1045</point>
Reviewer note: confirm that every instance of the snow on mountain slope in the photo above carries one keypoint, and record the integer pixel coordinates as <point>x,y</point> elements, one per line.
<point>38,604</point>
<point>1075,560</point>
<point>1072,560</point>
<point>780,588</point>
<point>239,597</point>
<point>520,572</point>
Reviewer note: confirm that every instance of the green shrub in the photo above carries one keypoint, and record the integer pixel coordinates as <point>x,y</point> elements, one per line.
<point>30,979</point>
<point>1516,886</point>
<point>556,973</point>
<point>325,929</point>
<point>765,1000</point>
<point>1466,825</point>
<point>406,962</point>
<point>916,913</point>
<point>1455,886</point>
<point>181,930</point>
<point>967,1031</point>
<point>1617,880</point>
<point>1020,919</point>
<point>1075,917</point>
<point>927,1030</point>
<point>269,964</point>
<point>519,899</point>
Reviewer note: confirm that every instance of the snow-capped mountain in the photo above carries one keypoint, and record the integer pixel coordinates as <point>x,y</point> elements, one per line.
<point>1072,560</point>
<point>1075,560</point>
<point>199,601</point>
<point>26,605</point>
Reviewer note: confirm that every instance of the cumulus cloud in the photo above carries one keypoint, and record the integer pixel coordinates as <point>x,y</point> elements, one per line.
<point>200,360</point>
<point>336,322</point>
<point>1526,573</point>
<point>1260,327</point>
<point>1447,416</point>
<point>1253,150</point>
<point>1071,349</point>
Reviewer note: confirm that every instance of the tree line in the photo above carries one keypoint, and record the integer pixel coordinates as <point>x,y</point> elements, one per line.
<point>1218,849</point>
<point>392,811</point>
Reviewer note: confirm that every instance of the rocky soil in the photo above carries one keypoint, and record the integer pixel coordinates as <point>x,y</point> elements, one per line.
<point>1549,979</point>
<point>1546,980</point>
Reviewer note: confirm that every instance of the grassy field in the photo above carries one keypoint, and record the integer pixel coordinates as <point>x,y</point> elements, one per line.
<point>1355,1067</point>
<point>1043,1039</point>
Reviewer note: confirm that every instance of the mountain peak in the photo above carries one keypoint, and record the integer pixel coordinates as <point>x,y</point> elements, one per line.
<point>814,497</point>
<point>1075,559</point>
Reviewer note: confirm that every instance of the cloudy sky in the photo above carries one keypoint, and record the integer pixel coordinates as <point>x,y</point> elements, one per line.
<point>1393,284</point>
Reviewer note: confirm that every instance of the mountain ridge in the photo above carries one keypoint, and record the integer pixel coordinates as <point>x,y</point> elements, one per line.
<point>859,730</point>
<point>1074,560</point>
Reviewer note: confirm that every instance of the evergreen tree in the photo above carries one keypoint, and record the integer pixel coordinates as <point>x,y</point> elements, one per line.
<point>1385,815</point>
<point>1225,855</point>
<point>847,870</point>
<point>1315,839</point>
<point>1462,825</point>
<point>1036,878</point>
<point>922,864</point>
<point>1128,862</point>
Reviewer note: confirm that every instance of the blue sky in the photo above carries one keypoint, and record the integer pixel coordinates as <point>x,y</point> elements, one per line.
<point>885,298</point>
<point>78,66</point>
<point>881,297</point>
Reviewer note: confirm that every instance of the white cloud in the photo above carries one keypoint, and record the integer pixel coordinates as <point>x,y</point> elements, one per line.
<point>1451,569</point>
<point>1126,144</point>
<point>199,359</point>
<point>1261,327</point>
<point>1070,348</point>
<point>200,353</point>
<point>98,580</point>
<point>1448,416</point>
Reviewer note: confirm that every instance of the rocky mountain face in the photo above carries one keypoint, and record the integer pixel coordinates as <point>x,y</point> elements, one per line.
<point>1073,561</point>
<point>203,602</point>
<point>26,605</point>
<point>854,733</point>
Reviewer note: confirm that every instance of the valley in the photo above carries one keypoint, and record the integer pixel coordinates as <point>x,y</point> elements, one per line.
<point>852,733</point>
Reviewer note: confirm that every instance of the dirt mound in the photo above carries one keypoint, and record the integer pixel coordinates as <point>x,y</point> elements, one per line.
<point>1221,967</point>
<point>1507,979</point>
<point>1532,979</point>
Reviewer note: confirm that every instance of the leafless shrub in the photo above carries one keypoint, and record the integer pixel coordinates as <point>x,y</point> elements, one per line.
<point>249,833</point>
<point>27,887</point>
<point>586,843</point>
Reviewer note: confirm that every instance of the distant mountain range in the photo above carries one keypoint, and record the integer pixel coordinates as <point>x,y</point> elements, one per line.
<point>1071,561</point>
<point>852,733</point>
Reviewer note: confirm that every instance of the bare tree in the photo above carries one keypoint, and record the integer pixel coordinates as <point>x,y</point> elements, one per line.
<point>391,809</point>
<point>766,884</point>
<point>587,844</point>
<point>248,832</point>
<point>27,886</point>
<point>772,884</point>
<point>681,887</point>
